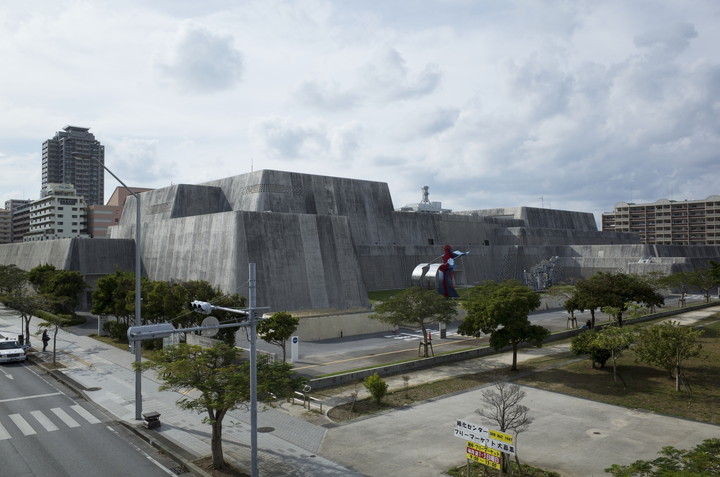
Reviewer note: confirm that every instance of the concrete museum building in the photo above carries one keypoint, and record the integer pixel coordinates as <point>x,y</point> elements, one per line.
<point>320,243</point>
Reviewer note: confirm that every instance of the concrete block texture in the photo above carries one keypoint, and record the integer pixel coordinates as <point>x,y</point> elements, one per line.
<point>302,261</point>
<point>320,243</point>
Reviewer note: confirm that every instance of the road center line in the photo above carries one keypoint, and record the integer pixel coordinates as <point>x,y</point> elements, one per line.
<point>30,397</point>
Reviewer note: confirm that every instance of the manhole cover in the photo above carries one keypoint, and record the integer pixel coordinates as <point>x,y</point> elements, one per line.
<point>265,429</point>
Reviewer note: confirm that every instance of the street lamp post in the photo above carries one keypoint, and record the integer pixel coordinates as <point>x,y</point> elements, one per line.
<point>138,273</point>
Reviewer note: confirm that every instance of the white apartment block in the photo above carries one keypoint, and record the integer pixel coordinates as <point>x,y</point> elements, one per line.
<point>60,214</point>
<point>668,222</point>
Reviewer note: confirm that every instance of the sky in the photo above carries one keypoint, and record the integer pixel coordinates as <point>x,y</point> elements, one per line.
<point>563,104</point>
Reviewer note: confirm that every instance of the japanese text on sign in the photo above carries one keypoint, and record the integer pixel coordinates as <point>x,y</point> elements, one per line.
<point>495,440</point>
<point>483,455</point>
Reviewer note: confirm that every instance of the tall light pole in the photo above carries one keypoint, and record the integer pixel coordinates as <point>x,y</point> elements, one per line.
<point>138,273</point>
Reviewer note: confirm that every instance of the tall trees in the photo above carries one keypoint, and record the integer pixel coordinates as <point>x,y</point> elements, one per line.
<point>667,345</point>
<point>62,287</point>
<point>114,294</point>
<point>222,382</point>
<point>278,329</point>
<point>680,281</point>
<point>204,291</point>
<point>616,290</point>
<point>501,309</point>
<point>12,280</point>
<point>704,279</point>
<point>162,301</point>
<point>416,307</point>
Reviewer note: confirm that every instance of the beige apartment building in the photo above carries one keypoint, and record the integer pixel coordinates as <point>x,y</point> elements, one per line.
<point>102,217</point>
<point>5,226</point>
<point>668,222</point>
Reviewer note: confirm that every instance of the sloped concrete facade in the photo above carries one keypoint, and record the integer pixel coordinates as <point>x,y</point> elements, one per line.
<point>320,243</point>
<point>93,258</point>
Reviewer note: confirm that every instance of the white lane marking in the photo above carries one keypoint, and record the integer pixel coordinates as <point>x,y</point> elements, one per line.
<point>147,456</point>
<point>7,375</point>
<point>3,433</point>
<point>85,414</point>
<point>29,397</point>
<point>22,424</point>
<point>64,417</point>
<point>44,421</point>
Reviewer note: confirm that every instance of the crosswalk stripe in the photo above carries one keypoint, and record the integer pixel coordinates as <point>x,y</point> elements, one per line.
<point>44,421</point>
<point>85,414</point>
<point>3,433</point>
<point>64,417</point>
<point>22,424</point>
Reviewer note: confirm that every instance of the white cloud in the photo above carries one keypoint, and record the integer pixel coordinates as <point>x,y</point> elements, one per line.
<point>387,77</point>
<point>202,61</point>
<point>490,103</point>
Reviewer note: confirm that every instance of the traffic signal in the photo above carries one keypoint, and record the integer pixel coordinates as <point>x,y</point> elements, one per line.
<point>201,307</point>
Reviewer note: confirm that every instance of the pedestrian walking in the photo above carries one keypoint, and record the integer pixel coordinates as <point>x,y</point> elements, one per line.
<point>45,339</point>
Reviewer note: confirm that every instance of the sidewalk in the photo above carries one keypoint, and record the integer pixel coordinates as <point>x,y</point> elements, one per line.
<point>294,442</point>
<point>104,375</point>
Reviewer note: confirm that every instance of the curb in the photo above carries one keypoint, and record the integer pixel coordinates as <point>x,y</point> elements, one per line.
<point>172,450</point>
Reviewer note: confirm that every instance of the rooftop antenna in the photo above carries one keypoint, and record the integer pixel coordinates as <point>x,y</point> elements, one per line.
<point>251,164</point>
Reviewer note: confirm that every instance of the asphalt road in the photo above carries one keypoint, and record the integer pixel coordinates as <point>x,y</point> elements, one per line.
<point>45,432</point>
<point>337,355</point>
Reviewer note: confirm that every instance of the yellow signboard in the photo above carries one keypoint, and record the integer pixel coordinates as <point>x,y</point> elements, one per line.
<point>501,436</point>
<point>483,455</point>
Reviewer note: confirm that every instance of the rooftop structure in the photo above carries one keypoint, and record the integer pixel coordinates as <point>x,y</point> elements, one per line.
<point>425,206</point>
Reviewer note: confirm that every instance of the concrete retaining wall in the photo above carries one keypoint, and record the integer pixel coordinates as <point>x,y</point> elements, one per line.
<point>313,328</point>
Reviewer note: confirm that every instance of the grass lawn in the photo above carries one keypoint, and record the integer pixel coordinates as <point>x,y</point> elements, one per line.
<point>645,387</point>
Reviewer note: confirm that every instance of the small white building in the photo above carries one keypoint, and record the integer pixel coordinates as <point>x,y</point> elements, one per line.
<point>425,206</point>
<point>60,214</point>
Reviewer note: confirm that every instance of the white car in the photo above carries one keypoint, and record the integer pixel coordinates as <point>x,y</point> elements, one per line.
<point>10,350</point>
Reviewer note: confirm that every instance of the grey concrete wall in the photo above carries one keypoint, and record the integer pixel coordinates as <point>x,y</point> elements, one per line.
<point>541,218</point>
<point>312,328</point>
<point>88,256</point>
<point>366,204</point>
<point>93,258</point>
<point>302,261</point>
<point>320,242</point>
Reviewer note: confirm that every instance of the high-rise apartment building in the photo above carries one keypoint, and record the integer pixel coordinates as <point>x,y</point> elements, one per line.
<point>61,164</point>
<point>5,226</point>
<point>20,216</point>
<point>669,222</point>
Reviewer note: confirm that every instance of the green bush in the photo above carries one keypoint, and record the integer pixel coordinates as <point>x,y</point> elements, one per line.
<point>65,320</point>
<point>117,330</point>
<point>586,343</point>
<point>376,386</point>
